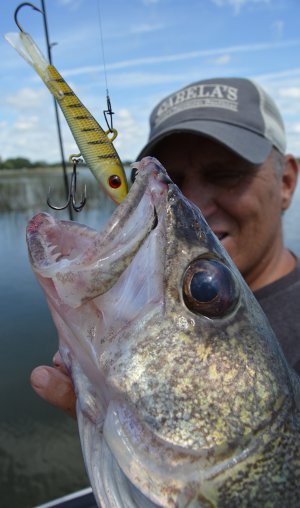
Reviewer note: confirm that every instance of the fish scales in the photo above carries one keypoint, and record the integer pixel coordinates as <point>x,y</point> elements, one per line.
<point>184,396</point>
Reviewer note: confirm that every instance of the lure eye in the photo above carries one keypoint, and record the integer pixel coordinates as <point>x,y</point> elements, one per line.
<point>114,181</point>
<point>209,288</point>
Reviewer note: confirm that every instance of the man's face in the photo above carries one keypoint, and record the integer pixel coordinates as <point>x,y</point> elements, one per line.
<point>241,202</point>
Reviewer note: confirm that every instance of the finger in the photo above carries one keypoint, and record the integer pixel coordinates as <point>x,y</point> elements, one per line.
<point>55,387</point>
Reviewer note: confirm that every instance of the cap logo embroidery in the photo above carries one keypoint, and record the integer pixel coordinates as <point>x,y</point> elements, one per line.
<point>198,96</point>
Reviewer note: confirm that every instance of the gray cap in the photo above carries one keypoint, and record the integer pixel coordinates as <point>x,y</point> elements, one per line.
<point>236,112</point>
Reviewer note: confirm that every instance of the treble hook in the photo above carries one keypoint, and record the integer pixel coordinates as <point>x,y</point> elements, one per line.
<point>72,192</point>
<point>20,7</point>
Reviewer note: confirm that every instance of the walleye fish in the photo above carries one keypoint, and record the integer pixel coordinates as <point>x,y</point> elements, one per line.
<point>184,396</point>
<point>94,143</point>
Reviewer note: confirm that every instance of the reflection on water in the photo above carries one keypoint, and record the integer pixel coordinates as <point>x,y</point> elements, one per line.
<point>40,460</point>
<point>28,188</point>
<point>40,457</point>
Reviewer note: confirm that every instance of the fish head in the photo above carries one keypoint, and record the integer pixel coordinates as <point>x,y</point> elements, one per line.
<point>178,374</point>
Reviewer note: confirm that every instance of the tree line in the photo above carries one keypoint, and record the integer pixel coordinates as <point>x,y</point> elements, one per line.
<point>22,162</point>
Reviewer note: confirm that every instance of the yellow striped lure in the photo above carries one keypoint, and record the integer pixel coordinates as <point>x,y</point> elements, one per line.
<point>94,143</point>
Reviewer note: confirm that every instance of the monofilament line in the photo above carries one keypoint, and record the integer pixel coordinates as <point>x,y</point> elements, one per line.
<point>102,46</point>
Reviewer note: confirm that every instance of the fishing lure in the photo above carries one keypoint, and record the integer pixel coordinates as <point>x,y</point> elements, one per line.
<point>95,144</point>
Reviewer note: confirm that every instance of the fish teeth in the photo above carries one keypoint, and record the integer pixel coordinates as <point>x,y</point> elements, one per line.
<point>51,247</point>
<point>54,252</point>
<point>57,256</point>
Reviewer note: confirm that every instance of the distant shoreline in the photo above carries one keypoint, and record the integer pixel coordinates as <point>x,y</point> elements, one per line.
<point>29,171</point>
<point>45,170</point>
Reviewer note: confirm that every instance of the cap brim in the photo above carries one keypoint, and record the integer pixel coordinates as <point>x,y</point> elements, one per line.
<point>247,144</point>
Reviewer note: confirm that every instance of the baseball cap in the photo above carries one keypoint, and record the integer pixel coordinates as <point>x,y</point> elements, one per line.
<point>236,112</point>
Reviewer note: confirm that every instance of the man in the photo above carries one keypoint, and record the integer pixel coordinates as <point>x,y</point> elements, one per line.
<point>223,142</point>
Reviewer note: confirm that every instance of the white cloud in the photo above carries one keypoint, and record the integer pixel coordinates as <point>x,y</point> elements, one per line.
<point>72,4</point>
<point>243,48</point>
<point>290,92</point>
<point>238,4</point>
<point>132,134</point>
<point>146,27</point>
<point>222,60</point>
<point>136,79</point>
<point>26,123</point>
<point>35,136</point>
<point>287,74</point>
<point>285,90</point>
<point>293,141</point>
<point>278,27</point>
<point>294,127</point>
<point>150,2</point>
<point>26,98</point>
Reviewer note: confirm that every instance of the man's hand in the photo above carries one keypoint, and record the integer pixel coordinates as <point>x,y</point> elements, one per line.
<point>55,386</point>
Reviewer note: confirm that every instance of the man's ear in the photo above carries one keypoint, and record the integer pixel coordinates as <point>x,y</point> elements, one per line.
<point>288,180</point>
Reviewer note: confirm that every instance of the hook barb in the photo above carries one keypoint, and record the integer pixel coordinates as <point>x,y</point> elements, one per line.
<point>29,4</point>
<point>72,193</point>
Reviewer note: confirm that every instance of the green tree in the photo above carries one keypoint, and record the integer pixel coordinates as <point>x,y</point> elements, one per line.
<point>15,163</point>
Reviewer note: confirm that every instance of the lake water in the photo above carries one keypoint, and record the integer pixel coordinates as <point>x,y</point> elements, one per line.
<point>40,456</point>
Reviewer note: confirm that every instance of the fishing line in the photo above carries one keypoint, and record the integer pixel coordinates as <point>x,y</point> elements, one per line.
<point>102,54</point>
<point>102,44</point>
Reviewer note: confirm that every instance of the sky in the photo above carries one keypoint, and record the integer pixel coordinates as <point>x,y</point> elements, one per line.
<point>149,49</point>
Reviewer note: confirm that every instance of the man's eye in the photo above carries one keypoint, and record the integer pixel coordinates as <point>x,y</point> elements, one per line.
<point>225,178</point>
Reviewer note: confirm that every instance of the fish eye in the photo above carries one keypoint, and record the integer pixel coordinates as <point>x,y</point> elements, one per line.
<point>114,181</point>
<point>209,288</point>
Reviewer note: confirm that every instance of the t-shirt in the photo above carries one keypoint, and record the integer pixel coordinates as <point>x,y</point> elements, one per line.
<point>280,301</point>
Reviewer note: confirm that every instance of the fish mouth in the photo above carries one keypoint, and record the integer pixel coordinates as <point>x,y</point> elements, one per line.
<point>84,263</point>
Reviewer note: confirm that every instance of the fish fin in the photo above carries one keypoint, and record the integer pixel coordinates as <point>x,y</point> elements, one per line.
<point>295,387</point>
<point>27,48</point>
<point>110,485</point>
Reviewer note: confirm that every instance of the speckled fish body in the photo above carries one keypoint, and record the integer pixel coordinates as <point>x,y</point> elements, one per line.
<point>184,397</point>
<point>93,142</point>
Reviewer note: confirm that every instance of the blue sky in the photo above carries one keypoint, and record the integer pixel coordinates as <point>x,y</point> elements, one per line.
<point>152,48</point>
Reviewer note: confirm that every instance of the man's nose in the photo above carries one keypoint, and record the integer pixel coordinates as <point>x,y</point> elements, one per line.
<point>201,193</point>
